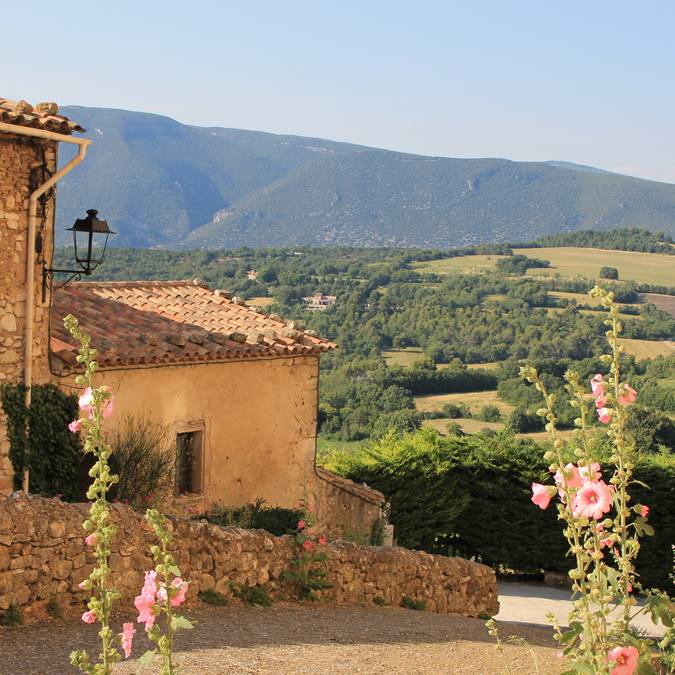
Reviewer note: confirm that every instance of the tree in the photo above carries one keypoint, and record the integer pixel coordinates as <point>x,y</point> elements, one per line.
<point>607,272</point>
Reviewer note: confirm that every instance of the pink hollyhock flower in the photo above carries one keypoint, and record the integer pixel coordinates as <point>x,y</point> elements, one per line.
<point>308,545</point>
<point>146,613</point>
<point>626,659</point>
<point>593,500</point>
<point>182,587</point>
<point>107,404</point>
<point>601,402</point>
<point>322,540</point>
<point>91,539</point>
<point>572,476</point>
<point>128,632</point>
<point>83,585</point>
<point>605,415</point>
<point>541,495</point>
<point>162,595</point>
<point>89,617</point>
<point>607,541</point>
<point>86,400</point>
<point>75,426</point>
<point>590,472</point>
<point>598,384</point>
<point>301,524</point>
<point>627,396</point>
<point>644,510</point>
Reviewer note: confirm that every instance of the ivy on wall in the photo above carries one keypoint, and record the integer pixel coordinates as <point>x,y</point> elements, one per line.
<point>54,453</point>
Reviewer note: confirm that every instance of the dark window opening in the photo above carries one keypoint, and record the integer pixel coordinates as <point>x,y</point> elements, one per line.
<point>189,454</point>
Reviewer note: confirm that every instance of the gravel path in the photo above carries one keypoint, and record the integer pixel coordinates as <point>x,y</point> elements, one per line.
<point>289,639</point>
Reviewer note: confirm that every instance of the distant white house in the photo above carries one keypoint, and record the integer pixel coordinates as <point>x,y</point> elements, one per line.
<point>252,275</point>
<point>318,302</point>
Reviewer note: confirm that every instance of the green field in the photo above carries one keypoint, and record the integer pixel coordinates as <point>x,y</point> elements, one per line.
<point>323,445</point>
<point>465,264</point>
<point>648,349</point>
<point>475,400</point>
<point>403,357</point>
<point>650,268</point>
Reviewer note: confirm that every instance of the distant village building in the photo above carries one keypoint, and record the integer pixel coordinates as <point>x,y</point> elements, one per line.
<point>319,302</point>
<point>252,275</point>
<point>238,390</point>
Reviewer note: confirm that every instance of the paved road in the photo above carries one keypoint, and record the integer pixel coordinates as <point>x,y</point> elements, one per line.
<point>530,603</point>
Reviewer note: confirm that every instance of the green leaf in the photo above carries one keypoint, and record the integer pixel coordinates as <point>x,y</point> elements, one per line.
<point>144,661</point>
<point>180,622</point>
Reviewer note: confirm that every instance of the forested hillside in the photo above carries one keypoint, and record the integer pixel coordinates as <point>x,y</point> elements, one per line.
<point>162,183</point>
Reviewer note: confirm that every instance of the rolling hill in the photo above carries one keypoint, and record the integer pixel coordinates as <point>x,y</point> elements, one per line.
<point>162,183</point>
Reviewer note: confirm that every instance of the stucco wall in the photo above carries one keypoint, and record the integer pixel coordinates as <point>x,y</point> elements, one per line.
<point>259,423</point>
<point>25,163</point>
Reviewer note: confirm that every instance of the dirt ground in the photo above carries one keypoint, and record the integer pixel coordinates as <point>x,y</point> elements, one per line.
<point>289,639</point>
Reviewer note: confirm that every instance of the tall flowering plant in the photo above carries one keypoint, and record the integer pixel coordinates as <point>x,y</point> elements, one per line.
<point>96,404</point>
<point>602,526</point>
<point>163,592</point>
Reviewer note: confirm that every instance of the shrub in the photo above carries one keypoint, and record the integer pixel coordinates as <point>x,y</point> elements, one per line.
<point>410,603</point>
<point>456,410</point>
<point>276,520</point>
<point>520,421</point>
<point>55,455</point>
<point>253,596</point>
<point>489,413</point>
<point>607,272</point>
<point>144,457</point>
<point>462,495</point>
<point>12,616</point>
<point>213,597</point>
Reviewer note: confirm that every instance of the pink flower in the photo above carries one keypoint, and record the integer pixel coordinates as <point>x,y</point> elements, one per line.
<point>627,396</point>
<point>91,539</point>
<point>605,415</point>
<point>644,510</point>
<point>162,595</point>
<point>128,632</point>
<point>541,495</point>
<point>308,545</point>
<point>145,602</point>
<point>572,476</point>
<point>593,500</point>
<point>590,472</point>
<point>322,540</point>
<point>601,402</point>
<point>89,617</point>
<point>301,524</point>
<point>107,404</point>
<point>626,659</point>
<point>75,426</point>
<point>182,587</point>
<point>86,400</point>
<point>607,541</point>
<point>598,385</point>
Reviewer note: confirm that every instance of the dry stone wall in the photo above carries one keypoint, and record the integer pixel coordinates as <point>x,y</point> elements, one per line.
<point>43,557</point>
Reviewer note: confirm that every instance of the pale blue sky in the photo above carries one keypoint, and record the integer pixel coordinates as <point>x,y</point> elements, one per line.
<point>588,82</point>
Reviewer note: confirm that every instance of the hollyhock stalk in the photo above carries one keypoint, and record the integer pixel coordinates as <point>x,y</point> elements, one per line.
<point>96,403</point>
<point>601,529</point>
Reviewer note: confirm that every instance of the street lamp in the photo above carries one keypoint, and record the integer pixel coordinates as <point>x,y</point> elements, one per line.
<point>90,238</point>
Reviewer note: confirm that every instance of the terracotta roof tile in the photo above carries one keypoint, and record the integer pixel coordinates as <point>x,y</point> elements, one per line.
<point>41,116</point>
<point>138,323</point>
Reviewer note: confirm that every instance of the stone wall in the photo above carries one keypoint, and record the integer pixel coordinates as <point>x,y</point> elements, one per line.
<point>43,556</point>
<point>25,163</point>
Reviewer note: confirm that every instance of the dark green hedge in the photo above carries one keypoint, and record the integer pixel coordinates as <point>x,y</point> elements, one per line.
<point>55,454</point>
<point>470,496</point>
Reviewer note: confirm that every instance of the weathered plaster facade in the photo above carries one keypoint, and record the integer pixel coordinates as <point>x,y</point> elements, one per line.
<point>25,163</point>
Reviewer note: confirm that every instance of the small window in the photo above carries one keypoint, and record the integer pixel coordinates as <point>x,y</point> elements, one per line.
<point>189,454</point>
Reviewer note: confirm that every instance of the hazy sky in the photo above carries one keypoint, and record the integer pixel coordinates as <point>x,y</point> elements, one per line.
<point>588,82</point>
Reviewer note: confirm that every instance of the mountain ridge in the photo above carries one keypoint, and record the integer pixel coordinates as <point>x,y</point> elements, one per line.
<point>168,184</point>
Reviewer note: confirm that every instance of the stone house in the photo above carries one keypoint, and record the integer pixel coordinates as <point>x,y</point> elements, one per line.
<point>238,389</point>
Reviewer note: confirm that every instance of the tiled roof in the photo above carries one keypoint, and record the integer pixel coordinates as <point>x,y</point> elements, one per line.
<point>139,323</point>
<point>41,116</point>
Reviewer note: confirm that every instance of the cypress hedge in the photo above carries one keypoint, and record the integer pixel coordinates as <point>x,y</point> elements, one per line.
<point>470,496</point>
